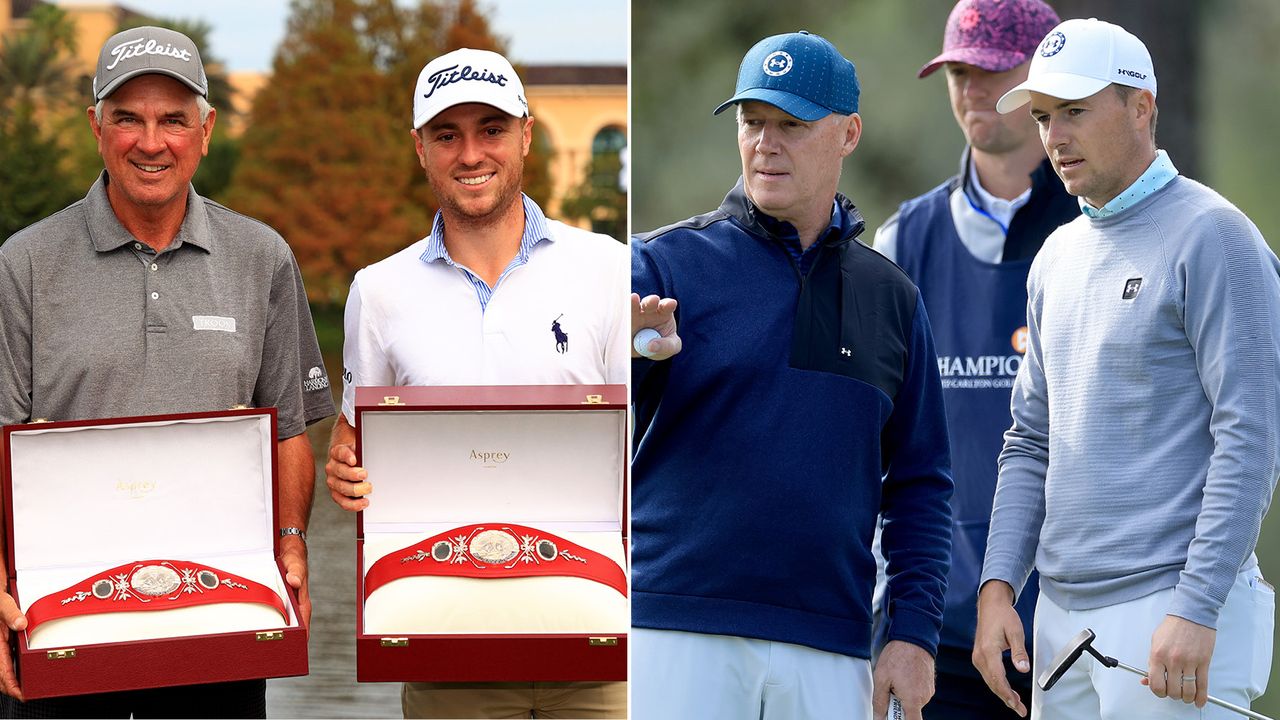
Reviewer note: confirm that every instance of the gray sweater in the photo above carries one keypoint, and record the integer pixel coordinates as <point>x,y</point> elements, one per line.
<point>1144,446</point>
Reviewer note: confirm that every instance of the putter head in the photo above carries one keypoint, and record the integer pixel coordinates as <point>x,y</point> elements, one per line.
<point>1065,658</point>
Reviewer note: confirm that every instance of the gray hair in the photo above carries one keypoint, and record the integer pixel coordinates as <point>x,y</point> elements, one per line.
<point>202,104</point>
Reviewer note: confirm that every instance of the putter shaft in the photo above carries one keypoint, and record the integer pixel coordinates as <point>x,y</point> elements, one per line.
<point>1220,703</point>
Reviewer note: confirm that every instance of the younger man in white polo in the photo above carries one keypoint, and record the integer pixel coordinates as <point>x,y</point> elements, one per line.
<point>496,294</point>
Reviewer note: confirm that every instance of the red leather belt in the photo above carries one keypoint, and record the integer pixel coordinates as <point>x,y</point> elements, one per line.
<point>495,551</point>
<point>151,585</point>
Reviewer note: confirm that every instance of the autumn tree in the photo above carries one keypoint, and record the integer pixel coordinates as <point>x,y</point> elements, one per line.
<point>324,154</point>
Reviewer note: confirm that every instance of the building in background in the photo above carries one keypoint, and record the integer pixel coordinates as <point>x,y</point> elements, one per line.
<point>583,111</point>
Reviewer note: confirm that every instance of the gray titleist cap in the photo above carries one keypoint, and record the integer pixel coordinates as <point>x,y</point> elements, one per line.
<point>147,50</point>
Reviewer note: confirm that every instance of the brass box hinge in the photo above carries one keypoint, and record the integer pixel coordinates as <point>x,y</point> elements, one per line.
<point>395,642</point>
<point>62,654</point>
<point>270,635</point>
<point>602,641</point>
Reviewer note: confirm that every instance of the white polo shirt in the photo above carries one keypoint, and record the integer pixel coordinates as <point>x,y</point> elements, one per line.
<point>413,322</point>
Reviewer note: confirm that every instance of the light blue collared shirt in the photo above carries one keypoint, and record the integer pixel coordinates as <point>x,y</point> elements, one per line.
<point>535,231</point>
<point>1157,176</point>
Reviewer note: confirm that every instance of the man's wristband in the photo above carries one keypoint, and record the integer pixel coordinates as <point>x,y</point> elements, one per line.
<point>285,531</point>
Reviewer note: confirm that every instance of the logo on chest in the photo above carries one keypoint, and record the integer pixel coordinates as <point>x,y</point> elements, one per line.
<point>1131,288</point>
<point>213,322</point>
<point>562,337</point>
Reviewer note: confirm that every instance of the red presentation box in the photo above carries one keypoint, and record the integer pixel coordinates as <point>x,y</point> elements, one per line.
<point>196,489</point>
<point>550,458</point>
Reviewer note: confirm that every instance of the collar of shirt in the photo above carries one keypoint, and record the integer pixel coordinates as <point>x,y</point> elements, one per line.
<point>787,234</point>
<point>998,209</point>
<point>107,233</point>
<point>535,231</point>
<point>1157,175</point>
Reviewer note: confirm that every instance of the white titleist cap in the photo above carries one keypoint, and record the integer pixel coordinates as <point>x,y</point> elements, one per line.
<point>467,76</point>
<point>1080,57</point>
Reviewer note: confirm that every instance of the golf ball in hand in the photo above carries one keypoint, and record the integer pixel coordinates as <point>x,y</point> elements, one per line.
<point>642,340</point>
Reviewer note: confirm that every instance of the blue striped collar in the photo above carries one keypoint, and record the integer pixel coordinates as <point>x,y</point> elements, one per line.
<point>1156,176</point>
<point>535,231</point>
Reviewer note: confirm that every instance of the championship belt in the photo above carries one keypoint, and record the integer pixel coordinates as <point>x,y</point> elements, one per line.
<point>495,551</point>
<point>151,585</point>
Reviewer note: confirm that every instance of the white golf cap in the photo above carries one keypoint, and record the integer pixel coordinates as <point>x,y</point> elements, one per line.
<point>467,76</point>
<point>1080,57</point>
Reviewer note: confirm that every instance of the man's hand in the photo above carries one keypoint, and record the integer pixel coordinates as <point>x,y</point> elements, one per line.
<point>348,483</point>
<point>11,618</point>
<point>659,314</point>
<point>906,670</point>
<point>999,629</point>
<point>293,554</point>
<point>1180,649</point>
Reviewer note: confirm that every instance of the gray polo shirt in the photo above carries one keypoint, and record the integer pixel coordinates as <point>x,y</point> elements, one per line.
<point>95,324</point>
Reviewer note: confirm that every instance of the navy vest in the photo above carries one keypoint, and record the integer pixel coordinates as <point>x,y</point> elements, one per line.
<point>978,314</point>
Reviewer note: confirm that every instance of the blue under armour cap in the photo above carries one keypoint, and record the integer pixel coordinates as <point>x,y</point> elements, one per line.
<point>801,74</point>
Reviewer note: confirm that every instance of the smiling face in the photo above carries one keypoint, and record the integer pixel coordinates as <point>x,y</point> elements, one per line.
<point>790,167</point>
<point>1099,145</point>
<point>151,140</point>
<point>473,155</point>
<point>974,93</point>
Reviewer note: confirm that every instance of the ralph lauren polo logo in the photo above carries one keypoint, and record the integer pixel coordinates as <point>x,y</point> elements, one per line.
<point>562,337</point>
<point>1131,288</point>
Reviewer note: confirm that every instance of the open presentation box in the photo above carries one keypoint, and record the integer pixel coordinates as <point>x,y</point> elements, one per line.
<point>183,507</point>
<point>551,459</point>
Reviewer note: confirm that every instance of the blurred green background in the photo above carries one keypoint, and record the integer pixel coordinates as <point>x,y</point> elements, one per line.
<point>1216,62</point>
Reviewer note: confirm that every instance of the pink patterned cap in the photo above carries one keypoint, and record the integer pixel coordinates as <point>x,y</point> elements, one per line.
<point>995,35</point>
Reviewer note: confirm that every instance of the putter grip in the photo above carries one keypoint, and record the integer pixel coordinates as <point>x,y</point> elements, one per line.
<point>895,708</point>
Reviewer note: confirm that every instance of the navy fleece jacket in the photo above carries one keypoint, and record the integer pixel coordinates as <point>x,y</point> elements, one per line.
<point>799,407</point>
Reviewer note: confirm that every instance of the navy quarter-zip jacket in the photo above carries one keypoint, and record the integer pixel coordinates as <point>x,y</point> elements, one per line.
<point>799,408</point>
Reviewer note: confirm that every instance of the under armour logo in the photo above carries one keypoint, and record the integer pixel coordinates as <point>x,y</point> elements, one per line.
<point>1131,288</point>
<point>562,337</point>
<point>1053,44</point>
<point>846,352</point>
<point>777,63</point>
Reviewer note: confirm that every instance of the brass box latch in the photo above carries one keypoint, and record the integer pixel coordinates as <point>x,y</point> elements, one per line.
<point>270,635</point>
<point>602,641</point>
<point>62,654</point>
<point>395,642</point>
<point>391,400</point>
<point>594,400</point>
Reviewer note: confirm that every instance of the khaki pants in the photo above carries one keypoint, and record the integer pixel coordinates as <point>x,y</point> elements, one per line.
<point>515,700</point>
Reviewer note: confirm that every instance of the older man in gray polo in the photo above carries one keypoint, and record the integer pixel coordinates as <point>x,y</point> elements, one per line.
<point>146,298</point>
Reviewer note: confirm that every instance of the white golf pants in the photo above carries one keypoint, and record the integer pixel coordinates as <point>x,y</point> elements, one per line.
<point>694,676</point>
<point>1237,673</point>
